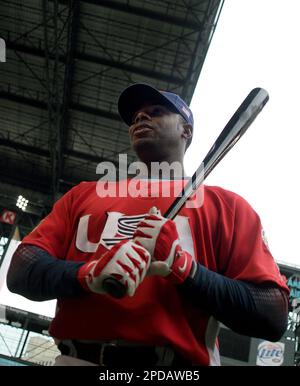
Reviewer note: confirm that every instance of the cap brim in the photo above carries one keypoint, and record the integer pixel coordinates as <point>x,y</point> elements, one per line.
<point>136,96</point>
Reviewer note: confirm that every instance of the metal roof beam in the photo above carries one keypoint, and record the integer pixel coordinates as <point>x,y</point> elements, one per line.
<point>73,22</point>
<point>23,100</point>
<point>131,69</point>
<point>95,111</point>
<point>147,13</point>
<point>53,94</point>
<point>39,183</point>
<point>46,153</point>
<point>74,106</point>
<point>98,60</point>
<point>23,147</point>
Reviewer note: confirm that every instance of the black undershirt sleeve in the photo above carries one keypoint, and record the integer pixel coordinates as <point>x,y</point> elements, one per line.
<point>254,310</point>
<point>246,308</point>
<point>37,275</point>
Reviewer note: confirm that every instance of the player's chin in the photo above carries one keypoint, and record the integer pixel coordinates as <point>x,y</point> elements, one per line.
<point>142,143</point>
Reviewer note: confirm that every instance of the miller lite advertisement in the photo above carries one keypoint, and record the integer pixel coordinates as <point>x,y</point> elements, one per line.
<point>270,354</point>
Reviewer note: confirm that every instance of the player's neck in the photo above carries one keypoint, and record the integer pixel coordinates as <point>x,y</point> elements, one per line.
<point>163,170</point>
<point>157,163</point>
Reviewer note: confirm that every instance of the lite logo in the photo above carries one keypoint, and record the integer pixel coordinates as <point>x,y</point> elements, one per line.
<point>270,354</point>
<point>2,50</point>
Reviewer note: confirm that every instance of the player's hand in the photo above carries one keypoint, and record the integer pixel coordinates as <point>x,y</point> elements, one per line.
<point>127,262</point>
<point>159,236</point>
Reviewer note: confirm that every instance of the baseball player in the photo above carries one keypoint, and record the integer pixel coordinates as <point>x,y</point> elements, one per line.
<point>182,277</point>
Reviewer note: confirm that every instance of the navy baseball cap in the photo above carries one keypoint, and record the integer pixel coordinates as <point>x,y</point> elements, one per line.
<point>136,95</point>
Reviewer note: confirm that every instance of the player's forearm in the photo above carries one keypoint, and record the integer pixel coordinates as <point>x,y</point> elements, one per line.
<point>248,309</point>
<point>35,274</point>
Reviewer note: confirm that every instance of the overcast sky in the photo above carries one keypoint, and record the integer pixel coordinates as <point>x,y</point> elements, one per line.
<point>256,43</point>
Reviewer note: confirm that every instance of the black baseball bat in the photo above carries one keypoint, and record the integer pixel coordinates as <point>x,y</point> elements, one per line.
<point>232,132</point>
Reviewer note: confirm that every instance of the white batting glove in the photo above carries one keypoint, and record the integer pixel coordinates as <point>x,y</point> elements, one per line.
<point>159,236</point>
<point>127,262</point>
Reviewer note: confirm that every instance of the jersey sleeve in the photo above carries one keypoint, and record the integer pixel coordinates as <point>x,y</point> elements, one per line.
<point>249,257</point>
<point>53,234</point>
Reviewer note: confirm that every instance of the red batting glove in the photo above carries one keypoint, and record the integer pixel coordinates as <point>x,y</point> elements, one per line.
<point>159,236</point>
<point>126,262</point>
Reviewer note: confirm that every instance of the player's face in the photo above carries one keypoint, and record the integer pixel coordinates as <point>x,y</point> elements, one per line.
<point>155,132</point>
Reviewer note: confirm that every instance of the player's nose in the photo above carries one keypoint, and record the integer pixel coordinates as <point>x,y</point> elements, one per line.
<point>141,115</point>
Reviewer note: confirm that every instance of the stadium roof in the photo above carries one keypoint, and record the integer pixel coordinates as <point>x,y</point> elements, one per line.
<point>67,62</point>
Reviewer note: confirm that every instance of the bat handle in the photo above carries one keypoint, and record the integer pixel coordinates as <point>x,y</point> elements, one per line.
<point>114,288</point>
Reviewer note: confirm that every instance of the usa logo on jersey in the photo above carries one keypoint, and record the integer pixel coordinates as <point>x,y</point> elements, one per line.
<point>119,226</point>
<point>126,225</point>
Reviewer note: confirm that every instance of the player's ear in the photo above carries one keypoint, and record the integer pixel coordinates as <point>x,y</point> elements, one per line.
<point>187,131</point>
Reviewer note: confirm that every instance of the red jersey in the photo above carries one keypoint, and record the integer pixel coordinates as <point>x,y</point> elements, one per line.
<point>224,235</point>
